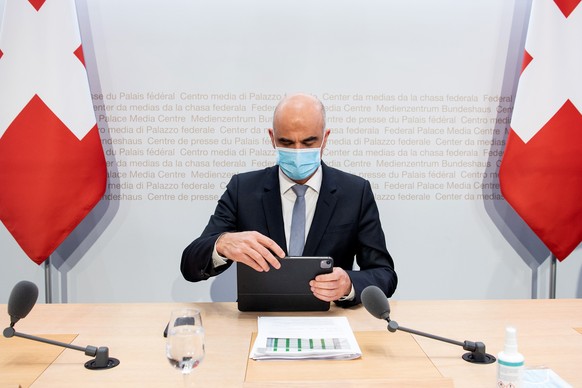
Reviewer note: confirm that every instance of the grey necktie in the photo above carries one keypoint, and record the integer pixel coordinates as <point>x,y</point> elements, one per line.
<point>297,239</point>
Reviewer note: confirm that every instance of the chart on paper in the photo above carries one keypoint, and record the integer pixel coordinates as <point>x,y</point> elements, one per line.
<point>301,344</point>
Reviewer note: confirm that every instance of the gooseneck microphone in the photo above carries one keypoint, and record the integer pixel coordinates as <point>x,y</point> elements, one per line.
<point>22,300</point>
<point>376,302</point>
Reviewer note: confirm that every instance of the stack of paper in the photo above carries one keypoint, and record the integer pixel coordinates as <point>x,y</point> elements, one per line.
<point>305,338</point>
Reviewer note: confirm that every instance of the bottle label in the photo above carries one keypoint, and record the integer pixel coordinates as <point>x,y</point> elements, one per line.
<point>509,377</point>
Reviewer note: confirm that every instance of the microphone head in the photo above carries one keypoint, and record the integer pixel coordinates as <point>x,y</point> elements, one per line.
<point>22,300</point>
<point>376,302</point>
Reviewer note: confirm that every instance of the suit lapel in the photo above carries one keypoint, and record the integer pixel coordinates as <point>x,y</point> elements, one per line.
<point>326,204</point>
<point>273,209</point>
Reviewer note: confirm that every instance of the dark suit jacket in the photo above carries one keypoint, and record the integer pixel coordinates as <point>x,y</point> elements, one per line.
<point>346,224</point>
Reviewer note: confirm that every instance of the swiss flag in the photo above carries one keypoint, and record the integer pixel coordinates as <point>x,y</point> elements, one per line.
<point>52,167</point>
<point>541,169</point>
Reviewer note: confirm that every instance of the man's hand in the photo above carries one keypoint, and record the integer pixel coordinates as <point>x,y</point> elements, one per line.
<point>251,248</point>
<point>331,286</point>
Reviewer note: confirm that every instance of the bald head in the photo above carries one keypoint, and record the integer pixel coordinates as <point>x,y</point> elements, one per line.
<point>299,110</point>
<point>299,123</point>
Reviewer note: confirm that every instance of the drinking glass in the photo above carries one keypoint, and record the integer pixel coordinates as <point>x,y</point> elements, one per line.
<point>185,341</point>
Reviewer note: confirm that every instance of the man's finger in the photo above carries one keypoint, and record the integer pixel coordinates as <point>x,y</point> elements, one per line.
<point>271,246</point>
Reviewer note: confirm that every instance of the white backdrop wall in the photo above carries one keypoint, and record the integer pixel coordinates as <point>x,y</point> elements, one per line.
<point>419,96</point>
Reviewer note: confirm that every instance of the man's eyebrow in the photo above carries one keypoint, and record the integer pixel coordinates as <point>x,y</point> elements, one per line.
<point>306,140</point>
<point>284,140</point>
<point>310,139</point>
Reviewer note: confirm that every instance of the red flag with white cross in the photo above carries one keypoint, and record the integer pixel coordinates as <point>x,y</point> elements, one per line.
<point>52,167</point>
<point>541,169</point>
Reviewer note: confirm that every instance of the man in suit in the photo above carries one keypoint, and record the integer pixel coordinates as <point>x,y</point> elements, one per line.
<point>252,221</point>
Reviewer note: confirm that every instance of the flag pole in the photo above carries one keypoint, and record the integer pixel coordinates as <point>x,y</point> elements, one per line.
<point>48,295</point>
<point>553,267</point>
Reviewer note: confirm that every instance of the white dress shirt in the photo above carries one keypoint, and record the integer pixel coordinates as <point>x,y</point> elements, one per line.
<point>288,198</point>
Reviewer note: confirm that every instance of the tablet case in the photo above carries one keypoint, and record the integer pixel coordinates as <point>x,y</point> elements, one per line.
<point>283,289</point>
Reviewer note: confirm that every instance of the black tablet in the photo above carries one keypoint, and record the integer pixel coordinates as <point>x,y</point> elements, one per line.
<point>283,289</point>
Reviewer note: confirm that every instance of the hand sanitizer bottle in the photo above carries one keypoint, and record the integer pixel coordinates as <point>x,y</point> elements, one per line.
<point>509,362</point>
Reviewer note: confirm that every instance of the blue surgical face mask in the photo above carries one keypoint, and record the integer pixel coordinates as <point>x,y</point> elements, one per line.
<point>298,164</point>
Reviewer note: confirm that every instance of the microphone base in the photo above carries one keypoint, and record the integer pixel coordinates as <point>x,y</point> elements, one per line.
<point>95,365</point>
<point>101,360</point>
<point>479,358</point>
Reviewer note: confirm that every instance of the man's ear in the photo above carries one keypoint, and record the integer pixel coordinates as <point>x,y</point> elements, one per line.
<point>324,142</point>
<point>272,136</point>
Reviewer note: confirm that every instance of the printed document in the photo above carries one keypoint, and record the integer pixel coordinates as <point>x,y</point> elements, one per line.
<point>292,338</point>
